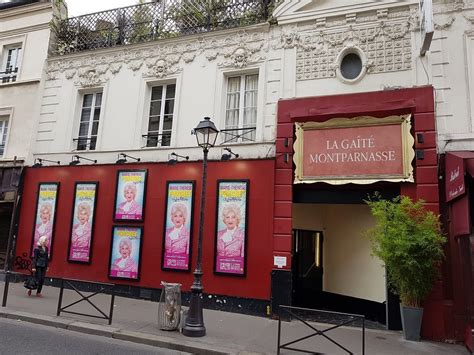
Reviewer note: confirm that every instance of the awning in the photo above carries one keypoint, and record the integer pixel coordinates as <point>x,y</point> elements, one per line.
<point>457,164</point>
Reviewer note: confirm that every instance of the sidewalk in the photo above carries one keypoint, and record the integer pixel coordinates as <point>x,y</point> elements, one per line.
<point>227,333</point>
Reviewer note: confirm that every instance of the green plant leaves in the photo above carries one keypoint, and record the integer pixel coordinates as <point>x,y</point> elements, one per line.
<point>408,239</point>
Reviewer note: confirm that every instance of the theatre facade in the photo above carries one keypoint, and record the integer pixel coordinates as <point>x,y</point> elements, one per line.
<point>319,112</point>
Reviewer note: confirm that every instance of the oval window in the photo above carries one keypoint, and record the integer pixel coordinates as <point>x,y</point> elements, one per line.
<point>351,66</point>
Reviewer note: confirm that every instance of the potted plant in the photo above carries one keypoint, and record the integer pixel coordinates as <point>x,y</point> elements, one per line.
<point>408,239</point>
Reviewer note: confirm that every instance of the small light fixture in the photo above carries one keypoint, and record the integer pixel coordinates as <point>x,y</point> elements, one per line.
<point>286,157</point>
<point>39,162</point>
<point>228,156</point>
<point>173,158</point>
<point>122,158</point>
<point>286,142</point>
<point>76,159</point>
<point>420,154</point>
<point>420,138</point>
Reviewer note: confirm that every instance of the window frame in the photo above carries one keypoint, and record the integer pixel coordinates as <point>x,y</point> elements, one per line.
<point>5,48</point>
<point>144,104</point>
<point>161,115</point>
<point>222,92</point>
<point>6,115</point>
<point>77,128</point>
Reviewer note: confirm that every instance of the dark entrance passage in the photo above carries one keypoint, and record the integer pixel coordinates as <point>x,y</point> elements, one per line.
<point>6,211</point>
<point>332,265</point>
<point>308,281</point>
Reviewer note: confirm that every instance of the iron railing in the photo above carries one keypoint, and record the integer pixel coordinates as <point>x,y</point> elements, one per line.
<point>341,319</point>
<point>238,135</point>
<point>85,143</point>
<point>9,76</point>
<point>156,20</point>
<point>103,288</point>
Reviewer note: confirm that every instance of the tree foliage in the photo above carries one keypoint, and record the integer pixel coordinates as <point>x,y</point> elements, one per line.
<point>408,239</point>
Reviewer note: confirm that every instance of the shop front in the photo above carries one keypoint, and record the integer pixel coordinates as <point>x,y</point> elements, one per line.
<point>136,225</point>
<point>459,188</point>
<point>346,148</point>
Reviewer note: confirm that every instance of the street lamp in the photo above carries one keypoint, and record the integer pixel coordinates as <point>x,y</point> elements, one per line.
<point>206,135</point>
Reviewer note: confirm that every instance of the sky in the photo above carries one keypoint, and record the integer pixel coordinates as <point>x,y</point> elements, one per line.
<point>81,7</point>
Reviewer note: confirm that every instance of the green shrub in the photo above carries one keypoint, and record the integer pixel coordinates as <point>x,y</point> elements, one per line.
<point>408,239</point>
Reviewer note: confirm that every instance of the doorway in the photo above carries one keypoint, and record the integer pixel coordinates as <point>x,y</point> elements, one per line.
<point>307,266</point>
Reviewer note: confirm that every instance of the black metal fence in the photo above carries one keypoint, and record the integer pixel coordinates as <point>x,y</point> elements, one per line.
<point>341,319</point>
<point>156,20</point>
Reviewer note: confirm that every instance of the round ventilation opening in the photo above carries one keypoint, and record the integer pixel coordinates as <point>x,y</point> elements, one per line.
<point>351,66</point>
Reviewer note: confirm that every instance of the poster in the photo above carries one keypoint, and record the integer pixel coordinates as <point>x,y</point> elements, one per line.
<point>130,195</point>
<point>125,252</point>
<point>178,225</point>
<point>231,231</point>
<point>80,239</point>
<point>45,214</point>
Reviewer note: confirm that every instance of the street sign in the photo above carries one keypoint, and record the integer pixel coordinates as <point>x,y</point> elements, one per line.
<point>426,25</point>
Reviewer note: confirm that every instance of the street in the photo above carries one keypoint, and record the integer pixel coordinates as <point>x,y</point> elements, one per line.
<point>18,337</point>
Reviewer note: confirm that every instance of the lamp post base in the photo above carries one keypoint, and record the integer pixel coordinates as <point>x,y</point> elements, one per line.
<point>194,323</point>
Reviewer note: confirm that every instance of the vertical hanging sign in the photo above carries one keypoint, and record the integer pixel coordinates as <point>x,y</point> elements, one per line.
<point>426,25</point>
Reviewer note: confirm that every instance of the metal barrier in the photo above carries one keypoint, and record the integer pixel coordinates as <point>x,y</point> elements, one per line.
<point>317,332</point>
<point>102,287</point>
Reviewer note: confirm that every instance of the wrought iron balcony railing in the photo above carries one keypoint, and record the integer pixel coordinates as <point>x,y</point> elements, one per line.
<point>156,20</point>
<point>154,139</point>
<point>238,135</point>
<point>85,143</point>
<point>8,76</point>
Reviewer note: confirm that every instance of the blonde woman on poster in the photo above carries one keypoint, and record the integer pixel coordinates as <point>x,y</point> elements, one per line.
<point>230,241</point>
<point>177,237</point>
<point>129,207</point>
<point>125,263</point>
<point>45,226</point>
<point>81,231</point>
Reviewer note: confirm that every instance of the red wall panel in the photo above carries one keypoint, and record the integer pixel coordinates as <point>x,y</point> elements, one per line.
<point>256,284</point>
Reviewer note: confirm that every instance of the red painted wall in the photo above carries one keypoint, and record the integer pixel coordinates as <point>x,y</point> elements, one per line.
<point>256,284</point>
<point>417,101</point>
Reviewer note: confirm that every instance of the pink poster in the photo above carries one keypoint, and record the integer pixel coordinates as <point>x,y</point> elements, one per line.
<point>82,226</point>
<point>178,225</point>
<point>125,252</point>
<point>231,227</point>
<point>45,215</point>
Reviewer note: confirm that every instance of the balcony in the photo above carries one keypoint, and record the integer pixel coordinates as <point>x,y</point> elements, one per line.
<point>8,76</point>
<point>156,20</point>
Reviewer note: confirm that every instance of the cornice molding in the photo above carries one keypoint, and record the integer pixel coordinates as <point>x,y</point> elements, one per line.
<point>25,10</point>
<point>237,50</point>
<point>24,30</point>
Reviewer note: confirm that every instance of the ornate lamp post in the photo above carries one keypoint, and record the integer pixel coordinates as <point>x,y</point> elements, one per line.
<point>206,135</point>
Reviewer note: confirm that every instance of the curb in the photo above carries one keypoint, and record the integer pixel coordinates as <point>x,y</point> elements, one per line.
<point>116,333</point>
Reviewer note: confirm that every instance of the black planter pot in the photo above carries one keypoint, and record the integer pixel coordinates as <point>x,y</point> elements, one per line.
<point>411,322</point>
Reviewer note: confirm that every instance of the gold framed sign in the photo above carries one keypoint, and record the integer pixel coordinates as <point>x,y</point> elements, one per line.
<point>360,150</point>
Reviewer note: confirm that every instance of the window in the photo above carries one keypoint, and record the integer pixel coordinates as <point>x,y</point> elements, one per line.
<point>89,125</point>
<point>160,121</point>
<point>241,109</point>
<point>10,63</point>
<point>3,134</point>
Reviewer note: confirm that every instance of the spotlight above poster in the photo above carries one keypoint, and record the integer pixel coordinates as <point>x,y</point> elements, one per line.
<point>360,150</point>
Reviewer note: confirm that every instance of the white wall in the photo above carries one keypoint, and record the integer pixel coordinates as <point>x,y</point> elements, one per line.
<point>349,267</point>
<point>125,75</point>
<point>29,26</point>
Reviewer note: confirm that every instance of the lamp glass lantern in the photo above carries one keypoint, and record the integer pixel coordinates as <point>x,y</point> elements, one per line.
<point>206,133</point>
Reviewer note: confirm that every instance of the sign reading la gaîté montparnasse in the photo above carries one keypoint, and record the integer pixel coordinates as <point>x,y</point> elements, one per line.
<point>360,150</point>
